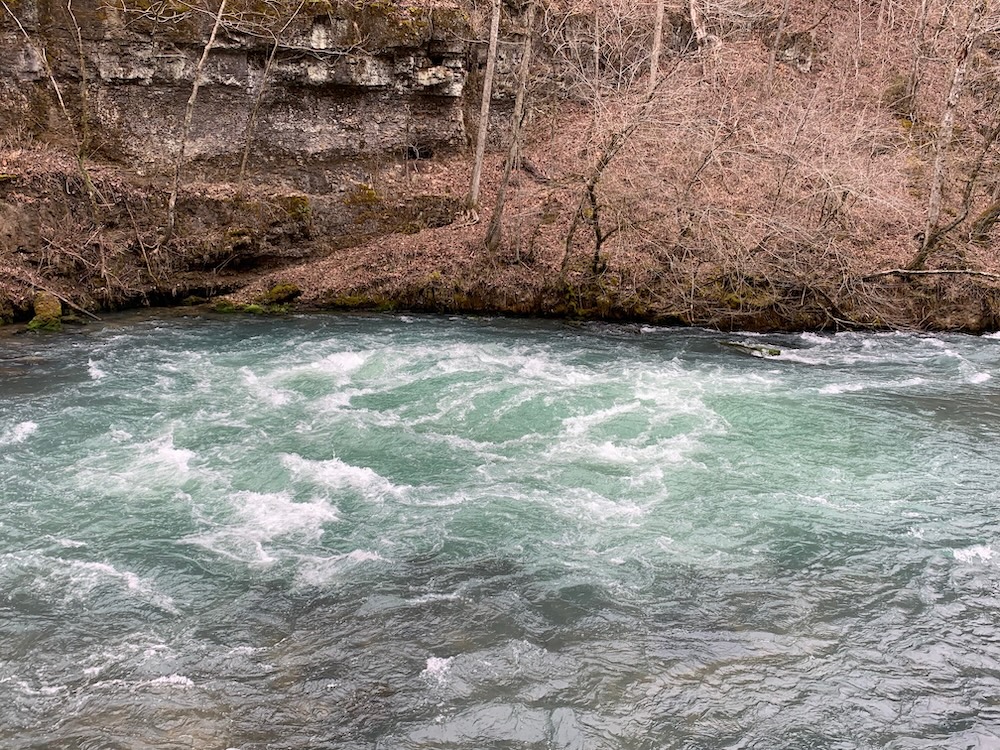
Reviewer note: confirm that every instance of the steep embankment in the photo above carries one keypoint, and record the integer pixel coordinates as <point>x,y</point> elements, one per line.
<point>773,165</point>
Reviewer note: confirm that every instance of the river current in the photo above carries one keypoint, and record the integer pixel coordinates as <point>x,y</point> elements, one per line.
<point>402,532</point>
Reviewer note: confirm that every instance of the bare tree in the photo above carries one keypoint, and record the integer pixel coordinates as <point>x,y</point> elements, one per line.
<point>493,234</point>
<point>186,127</point>
<point>589,209</point>
<point>472,203</point>
<point>773,57</point>
<point>913,79</point>
<point>251,127</point>
<point>657,48</point>
<point>932,229</point>
<point>698,24</point>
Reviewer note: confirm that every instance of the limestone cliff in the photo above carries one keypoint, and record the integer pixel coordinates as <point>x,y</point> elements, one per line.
<point>346,82</point>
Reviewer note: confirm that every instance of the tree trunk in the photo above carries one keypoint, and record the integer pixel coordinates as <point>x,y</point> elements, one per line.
<point>985,222</point>
<point>472,203</point>
<point>493,234</point>
<point>913,80</point>
<point>185,129</point>
<point>84,138</point>
<point>654,54</point>
<point>932,233</point>
<point>251,128</point>
<point>698,25</point>
<point>773,59</point>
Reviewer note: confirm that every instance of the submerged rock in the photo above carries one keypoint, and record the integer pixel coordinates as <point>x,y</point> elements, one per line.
<point>754,350</point>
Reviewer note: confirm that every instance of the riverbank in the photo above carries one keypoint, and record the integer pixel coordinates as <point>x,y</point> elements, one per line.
<point>777,166</point>
<point>235,243</point>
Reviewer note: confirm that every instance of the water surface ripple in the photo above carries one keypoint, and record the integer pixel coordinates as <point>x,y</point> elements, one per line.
<point>409,532</point>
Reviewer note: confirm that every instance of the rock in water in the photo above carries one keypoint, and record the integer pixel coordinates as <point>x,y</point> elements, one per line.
<point>48,313</point>
<point>754,350</point>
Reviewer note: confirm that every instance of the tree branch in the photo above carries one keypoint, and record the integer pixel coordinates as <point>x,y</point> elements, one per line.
<point>934,272</point>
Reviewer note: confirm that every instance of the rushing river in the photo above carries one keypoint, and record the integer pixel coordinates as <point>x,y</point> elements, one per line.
<point>407,532</point>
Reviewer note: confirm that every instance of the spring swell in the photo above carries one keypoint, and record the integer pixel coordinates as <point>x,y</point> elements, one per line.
<point>409,532</point>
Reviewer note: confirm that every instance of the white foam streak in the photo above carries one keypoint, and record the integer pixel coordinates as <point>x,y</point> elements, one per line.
<point>539,368</point>
<point>979,553</point>
<point>264,390</point>
<point>835,388</point>
<point>84,571</point>
<point>338,368</point>
<point>263,518</point>
<point>624,455</point>
<point>44,690</point>
<point>437,668</point>
<point>586,505</point>
<point>19,433</point>
<point>339,475</point>
<point>428,598</point>
<point>575,426</point>
<point>323,571</point>
<point>172,681</point>
<point>78,580</point>
<point>166,454</point>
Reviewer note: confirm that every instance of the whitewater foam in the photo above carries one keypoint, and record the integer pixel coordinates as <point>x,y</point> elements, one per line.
<point>428,598</point>
<point>437,668</point>
<point>164,453</point>
<point>43,690</point>
<point>342,364</point>
<point>582,424</point>
<point>978,553</point>
<point>18,433</point>
<point>95,372</point>
<point>78,580</point>
<point>67,543</point>
<point>835,388</point>
<point>586,505</point>
<point>320,571</point>
<point>172,680</point>
<point>260,519</point>
<point>264,390</point>
<point>339,475</point>
<point>91,573</point>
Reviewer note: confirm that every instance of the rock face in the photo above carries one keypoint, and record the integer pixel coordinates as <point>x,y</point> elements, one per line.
<point>330,103</point>
<point>322,82</point>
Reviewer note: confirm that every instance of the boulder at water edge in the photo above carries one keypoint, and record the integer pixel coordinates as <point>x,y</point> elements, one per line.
<point>48,313</point>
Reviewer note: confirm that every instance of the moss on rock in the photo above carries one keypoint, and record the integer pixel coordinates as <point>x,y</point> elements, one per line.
<point>48,313</point>
<point>280,294</point>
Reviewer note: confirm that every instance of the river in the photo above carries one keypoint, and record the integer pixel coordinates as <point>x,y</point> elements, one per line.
<point>423,532</point>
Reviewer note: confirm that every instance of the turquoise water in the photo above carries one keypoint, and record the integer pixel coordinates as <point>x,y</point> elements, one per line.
<point>410,532</point>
